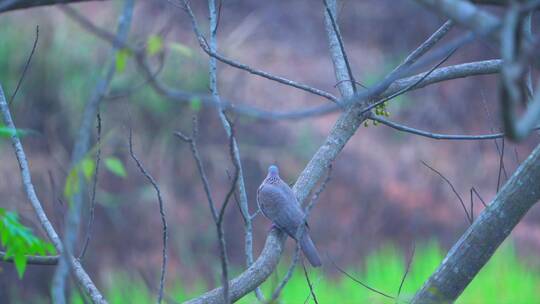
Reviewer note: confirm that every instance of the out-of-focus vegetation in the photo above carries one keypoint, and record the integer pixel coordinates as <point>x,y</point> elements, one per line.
<point>507,278</point>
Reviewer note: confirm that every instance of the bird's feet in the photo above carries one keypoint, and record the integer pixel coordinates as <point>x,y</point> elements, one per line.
<point>274,226</point>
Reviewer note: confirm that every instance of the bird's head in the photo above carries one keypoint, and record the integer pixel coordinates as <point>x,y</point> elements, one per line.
<point>273,171</point>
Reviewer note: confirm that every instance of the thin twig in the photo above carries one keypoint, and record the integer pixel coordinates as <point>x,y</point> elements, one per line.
<point>407,269</point>
<point>213,53</point>
<point>239,182</point>
<point>452,187</point>
<point>407,88</point>
<point>479,196</point>
<point>431,135</point>
<point>27,64</point>
<point>360,282</point>
<point>311,289</point>
<point>94,188</point>
<point>161,212</point>
<point>219,223</point>
<point>33,259</point>
<point>192,141</point>
<point>501,165</point>
<point>218,217</point>
<point>492,128</point>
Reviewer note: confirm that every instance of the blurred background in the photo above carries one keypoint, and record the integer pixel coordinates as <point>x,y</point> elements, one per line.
<point>380,201</point>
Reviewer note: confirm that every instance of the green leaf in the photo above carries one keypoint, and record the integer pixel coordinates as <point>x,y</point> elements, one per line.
<point>154,44</point>
<point>19,241</point>
<point>114,165</point>
<point>181,49</point>
<point>88,167</point>
<point>20,264</point>
<point>72,183</point>
<point>8,132</point>
<point>122,57</point>
<point>195,104</point>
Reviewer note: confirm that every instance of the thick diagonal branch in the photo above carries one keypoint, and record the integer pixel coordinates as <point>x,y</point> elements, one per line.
<point>489,230</point>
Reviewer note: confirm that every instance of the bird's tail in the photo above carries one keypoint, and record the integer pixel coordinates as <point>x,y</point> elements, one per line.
<point>310,252</point>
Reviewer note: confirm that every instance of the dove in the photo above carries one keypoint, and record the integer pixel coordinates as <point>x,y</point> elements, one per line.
<point>279,204</point>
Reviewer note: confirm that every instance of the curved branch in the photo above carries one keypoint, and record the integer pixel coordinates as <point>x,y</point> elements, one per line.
<point>254,276</point>
<point>431,135</point>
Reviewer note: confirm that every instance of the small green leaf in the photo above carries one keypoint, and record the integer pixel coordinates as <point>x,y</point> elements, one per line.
<point>88,167</point>
<point>182,49</point>
<point>114,165</point>
<point>122,57</point>
<point>72,183</point>
<point>19,241</point>
<point>195,104</point>
<point>154,44</point>
<point>20,264</point>
<point>8,132</point>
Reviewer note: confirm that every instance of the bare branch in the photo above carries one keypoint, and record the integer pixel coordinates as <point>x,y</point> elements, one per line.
<point>227,126</point>
<point>26,66</point>
<point>437,136</point>
<point>407,269</point>
<point>337,34</point>
<point>391,85</point>
<point>9,5</point>
<point>407,88</point>
<point>310,285</point>
<point>469,218</point>
<point>94,188</point>
<point>484,236</point>
<point>161,212</point>
<point>79,272</point>
<point>227,295</point>
<point>212,52</point>
<point>361,283</point>
<point>479,196</point>
<point>33,259</point>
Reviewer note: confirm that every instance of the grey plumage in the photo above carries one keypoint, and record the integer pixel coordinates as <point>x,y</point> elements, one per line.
<point>278,203</point>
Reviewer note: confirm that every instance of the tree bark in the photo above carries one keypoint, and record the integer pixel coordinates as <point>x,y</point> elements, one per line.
<point>10,5</point>
<point>489,230</point>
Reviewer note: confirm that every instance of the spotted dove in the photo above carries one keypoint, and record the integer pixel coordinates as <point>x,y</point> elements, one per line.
<point>279,204</point>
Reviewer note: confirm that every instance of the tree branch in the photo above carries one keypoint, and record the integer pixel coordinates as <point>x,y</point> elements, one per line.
<point>33,259</point>
<point>79,272</point>
<point>437,136</point>
<point>475,247</point>
<point>10,5</point>
<point>162,214</point>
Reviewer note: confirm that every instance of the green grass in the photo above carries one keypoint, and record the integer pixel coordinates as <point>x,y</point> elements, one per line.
<point>505,279</point>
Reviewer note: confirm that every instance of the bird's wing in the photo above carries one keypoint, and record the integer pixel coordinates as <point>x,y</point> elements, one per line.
<point>282,209</point>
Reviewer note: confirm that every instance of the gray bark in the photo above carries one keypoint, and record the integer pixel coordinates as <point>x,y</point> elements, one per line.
<point>10,5</point>
<point>489,230</point>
